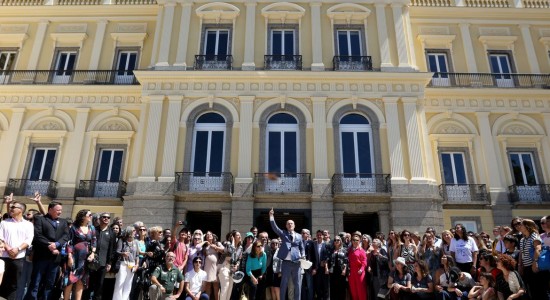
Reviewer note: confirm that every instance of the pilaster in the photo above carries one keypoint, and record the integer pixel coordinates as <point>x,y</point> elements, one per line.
<point>248,63</point>
<point>152,137</point>
<point>171,138</point>
<point>140,136</point>
<point>9,141</point>
<point>245,140</point>
<point>429,162</point>
<point>394,140</point>
<point>316,37</point>
<point>98,44</point>
<point>413,139</point>
<point>401,38</point>
<point>37,46</point>
<point>529,48</point>
<point>183,38</point>
<point>158,27</point>
<point>226,219</point>
<point>338,222</point>
<point>410,38</point>
<point>383,36</point>
<point>468,47</point>
<point>167,27</point>
<point>320,137</point>
<point>384,221</point>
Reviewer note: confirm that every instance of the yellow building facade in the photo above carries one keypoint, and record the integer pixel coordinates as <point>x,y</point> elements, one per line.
<point>364,115</point>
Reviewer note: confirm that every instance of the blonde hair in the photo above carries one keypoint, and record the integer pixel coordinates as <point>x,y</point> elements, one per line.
<point>155,229</point>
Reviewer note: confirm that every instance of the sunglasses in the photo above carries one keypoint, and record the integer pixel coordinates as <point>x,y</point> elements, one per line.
<point>15,206</point>
<point>355,240</point>
<point>517,223</point>
<point>142,229</point>
<point>198,262</point>
<point>105,217</point>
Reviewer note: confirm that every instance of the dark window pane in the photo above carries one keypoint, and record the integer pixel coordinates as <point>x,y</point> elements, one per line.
<point>494,64</point>
<point>223,43</point>
<point>37,164</point>
<point>282,118</point>
<point>363,151</point>
<point>274,152</point>
<point>447,168</point>
<point>529,169</point>
<point>132,63</point>
<point>122,61</point>
<point>432,63</point>
<point>442,63</point>
<point>516,169</point>
<point>505,65</point>
<point>105,161</point>
<point>354,119</point>
<point>460,171</point>
<point>48,165</point>
<point>116,168</point>
<point>277,45</point>
<point>211,118</point>
<point>70,63</point>
<point>355,41</point>
<point>289,42</point>
<point>291,152</point>
<point>201,148</point>
<point>343,43</point>
<point>216,152</point>
<point>348,153</point>
<point>210,48</point>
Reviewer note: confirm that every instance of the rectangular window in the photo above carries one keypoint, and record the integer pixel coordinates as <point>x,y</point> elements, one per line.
<point>523,168</point>
<point>216,43</point>
<point>110,165</point>
<point>501,68</point>
<point>126,63</point>
<point>7,60</point>
<point>65,63</point>
<point>42,164</point>
<point>454,170</point>
<point>282,42</point>
<point>349,43</point>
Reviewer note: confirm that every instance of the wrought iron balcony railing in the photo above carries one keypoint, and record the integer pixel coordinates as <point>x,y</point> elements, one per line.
<point>204,182</point>
<point>281,183</point>
<point>283,62</point>
<point>360,183</point>
<point>464,193</point>
<point>75,2</point>
<point>99,77</point>
<point>537,193</point>
<point>490,80</point>
<point>101,189</point>
<point>352,63</point>
<point>213,62</point>
<point>27,187</point>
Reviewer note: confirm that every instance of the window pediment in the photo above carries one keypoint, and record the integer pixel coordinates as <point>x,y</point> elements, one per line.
<point>498,42</point>
<point>218,11</point>
<point>283,11</point>
<point>436,41</point>
<point>348,12</point>
<point>69,38</point>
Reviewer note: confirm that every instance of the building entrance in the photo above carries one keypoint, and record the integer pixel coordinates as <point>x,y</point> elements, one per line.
<point>365,223</point>
<point>301,218</point>
<point>206,221</point>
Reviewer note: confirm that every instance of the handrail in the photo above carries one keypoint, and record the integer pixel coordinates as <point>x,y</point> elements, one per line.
<point>82,77</point>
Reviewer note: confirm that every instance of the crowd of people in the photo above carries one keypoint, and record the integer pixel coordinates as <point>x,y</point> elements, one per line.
<point>44,256</point>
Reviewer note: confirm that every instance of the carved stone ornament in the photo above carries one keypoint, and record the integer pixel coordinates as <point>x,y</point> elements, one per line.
<point>451,129</point>
<point>49,125</point>
<point>516,130</point>
<point>114,126</point>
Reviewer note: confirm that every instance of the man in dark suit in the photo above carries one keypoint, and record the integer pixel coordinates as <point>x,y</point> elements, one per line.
<point>51,233</point>
<point>290,252</point>
<point>321,283</point>
<point>307,280</point>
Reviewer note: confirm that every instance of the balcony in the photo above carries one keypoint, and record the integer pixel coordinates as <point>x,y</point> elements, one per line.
<point>352,63</point>
<point>75,2</point>
<point>283,62</point>
<point>204,182</point>
<point>101,189</point>
<point>213,62</point>
<point>483,3</point>
<point>530,194</point>
<point>27,187</point>
<point>360,183</point>
<point>88,77</point>
<point>464,193</point>
<point>490,80</point>
<point>282,183</point>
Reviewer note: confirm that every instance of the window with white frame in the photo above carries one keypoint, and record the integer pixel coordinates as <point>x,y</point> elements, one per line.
<point>356,146</point>
<point>501,67</point>
<point>523,168</point>
<point>208,145</point>
<point>216,43</point>
<point>283,41</point>
<point>349,42</point>
<point>7,63</point>
<point>42,164</point>
<point>454,168</point>
<point>65,63</point>
<point>126,63</point>
<point>110,165</point>
<point>282,144</point>
<point>438,63</point>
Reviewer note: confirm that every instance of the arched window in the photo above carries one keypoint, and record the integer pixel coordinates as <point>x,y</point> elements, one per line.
<point>282,144</point>
<point>208,144</point>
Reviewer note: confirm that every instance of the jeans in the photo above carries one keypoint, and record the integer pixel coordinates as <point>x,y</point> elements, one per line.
<point>203,296</point>
<point>24,280</point>
<point>44,273</point>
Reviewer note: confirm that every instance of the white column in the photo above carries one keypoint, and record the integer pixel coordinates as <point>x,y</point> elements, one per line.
<point>530,48</point>
<point>410,38</point>
<point>166,35</point>
<point>248,64</point>
<point>183,38</point>
<point>316,39</point>
<point>158,27</point>
<point>9,141</point>
<point>140,137</point>
<point>98,44</point>
<point>151,137</point>
<point>495,179</point>
<point>320,138</point>
<point>468,48</point>
<point>69,169</point>
<point>430,168</point>
<point>171,138</point>
<point>383,36</point>
<point>394,140</point>
<point>244,171</point>
<point>413,139</point>
<point>401,39</point>
<point>37,46</point>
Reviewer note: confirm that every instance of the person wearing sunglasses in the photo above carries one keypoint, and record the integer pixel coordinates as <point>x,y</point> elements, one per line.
<point>164,279</point>
<point>357,258</point>
<point>105,250</point>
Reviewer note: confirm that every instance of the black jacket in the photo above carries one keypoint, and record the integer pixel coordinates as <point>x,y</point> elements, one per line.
<point>45,233</point>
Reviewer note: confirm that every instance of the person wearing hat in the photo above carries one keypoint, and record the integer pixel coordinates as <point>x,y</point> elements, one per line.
<point>290,252</point>
<point>357,258</point>
<point>399,281</point>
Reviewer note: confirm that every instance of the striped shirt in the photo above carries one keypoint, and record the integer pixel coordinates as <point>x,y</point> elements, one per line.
<point>526,246</point>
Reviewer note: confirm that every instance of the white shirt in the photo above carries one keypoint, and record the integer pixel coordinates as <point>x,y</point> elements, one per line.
<point>15,233</point>
<point>463,249</point>
<point>195,280</point>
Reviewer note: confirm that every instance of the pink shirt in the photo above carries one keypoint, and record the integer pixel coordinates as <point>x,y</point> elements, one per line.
<point>15,233</point>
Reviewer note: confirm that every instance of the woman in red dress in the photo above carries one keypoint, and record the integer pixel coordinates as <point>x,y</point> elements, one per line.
<point>357,265</point>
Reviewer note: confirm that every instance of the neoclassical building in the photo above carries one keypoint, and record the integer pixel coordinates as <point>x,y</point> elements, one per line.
<point>342,115</point>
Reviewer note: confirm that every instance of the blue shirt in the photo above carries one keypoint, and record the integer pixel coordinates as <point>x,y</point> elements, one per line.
<point>256,263</point>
